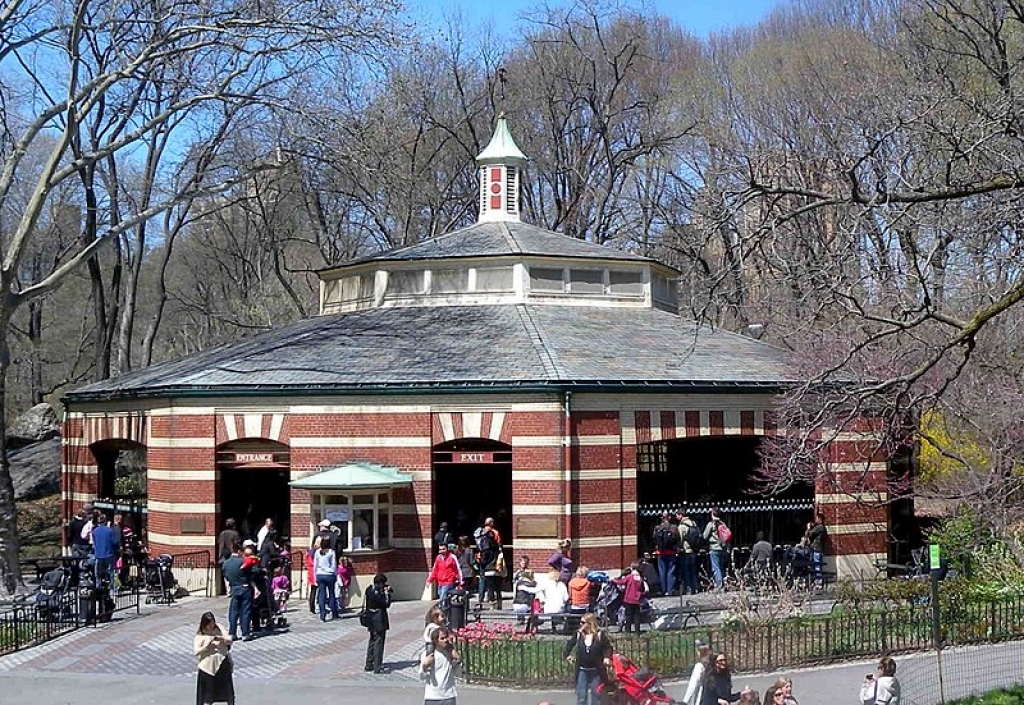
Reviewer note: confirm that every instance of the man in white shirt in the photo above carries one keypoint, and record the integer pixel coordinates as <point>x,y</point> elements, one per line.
<point>261,535</point>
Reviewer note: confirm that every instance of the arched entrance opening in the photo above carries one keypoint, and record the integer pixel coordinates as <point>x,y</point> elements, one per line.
<point>252,485</point>
<point>121,483</point>
<point>472,479</point>
<point>717,471</point>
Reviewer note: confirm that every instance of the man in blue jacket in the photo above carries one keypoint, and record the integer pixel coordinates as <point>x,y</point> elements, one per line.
<point>106,543</point>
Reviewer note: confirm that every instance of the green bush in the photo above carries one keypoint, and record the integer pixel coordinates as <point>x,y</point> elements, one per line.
<point>1011,696</point>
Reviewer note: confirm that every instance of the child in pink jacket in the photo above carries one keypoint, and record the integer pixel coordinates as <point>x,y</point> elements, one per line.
<point>345,571</point>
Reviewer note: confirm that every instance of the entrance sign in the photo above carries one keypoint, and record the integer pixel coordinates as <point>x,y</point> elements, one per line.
<point>254,457</point>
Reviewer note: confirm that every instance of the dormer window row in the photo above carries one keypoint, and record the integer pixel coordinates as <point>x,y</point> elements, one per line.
<point>452,284</point>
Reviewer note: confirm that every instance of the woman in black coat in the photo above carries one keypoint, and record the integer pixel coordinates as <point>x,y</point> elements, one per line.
<point>718,683</point>
<point>376,602</point>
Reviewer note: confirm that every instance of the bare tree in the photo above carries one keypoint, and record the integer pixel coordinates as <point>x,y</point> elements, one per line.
<point>104,79</point>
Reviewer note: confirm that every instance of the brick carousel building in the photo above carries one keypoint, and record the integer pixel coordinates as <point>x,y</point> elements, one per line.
<point>501,370</point>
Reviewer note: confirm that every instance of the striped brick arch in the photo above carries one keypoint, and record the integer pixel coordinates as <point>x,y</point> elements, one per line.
<point>129,426</point>
<point>450,426</point>
<point>233,427</point>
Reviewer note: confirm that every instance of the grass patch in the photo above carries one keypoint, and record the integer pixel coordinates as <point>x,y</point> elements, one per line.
<point>1010,696</point>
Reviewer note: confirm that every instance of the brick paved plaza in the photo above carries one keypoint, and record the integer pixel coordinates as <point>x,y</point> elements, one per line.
<point>147,659</point>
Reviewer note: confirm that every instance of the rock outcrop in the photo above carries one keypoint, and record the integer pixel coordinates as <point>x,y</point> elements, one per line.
<point>34,452</point>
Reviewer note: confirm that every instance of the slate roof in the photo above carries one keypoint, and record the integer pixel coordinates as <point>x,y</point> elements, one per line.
<point>466,347</point>
<point>500,238</point>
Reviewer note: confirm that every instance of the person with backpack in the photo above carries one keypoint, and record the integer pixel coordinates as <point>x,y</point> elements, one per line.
<point>687,556</point>
<point>489,549</point>
<point>718,537</point>
<point>443,537</point>
<point>666,546</point>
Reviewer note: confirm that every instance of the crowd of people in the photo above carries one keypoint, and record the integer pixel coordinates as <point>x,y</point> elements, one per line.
<point>109,543</point>
<point>679,542</point>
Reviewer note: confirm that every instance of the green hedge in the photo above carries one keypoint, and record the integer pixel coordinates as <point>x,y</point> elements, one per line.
<point>1011,696</point>
<point>497,654</point>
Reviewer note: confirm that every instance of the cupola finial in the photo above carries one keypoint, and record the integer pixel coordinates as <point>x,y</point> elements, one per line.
<point>500,165</point>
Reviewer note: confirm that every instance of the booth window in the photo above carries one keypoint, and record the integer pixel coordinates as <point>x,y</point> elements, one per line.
<point>362,517</point>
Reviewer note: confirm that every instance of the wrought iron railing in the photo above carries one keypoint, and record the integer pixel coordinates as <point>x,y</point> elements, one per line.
<point>502,657</point>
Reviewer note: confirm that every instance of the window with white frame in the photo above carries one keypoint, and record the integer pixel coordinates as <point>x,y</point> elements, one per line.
<point>363,517</point>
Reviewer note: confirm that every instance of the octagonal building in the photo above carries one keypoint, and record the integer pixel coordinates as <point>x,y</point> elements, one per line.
<point>499,370</point>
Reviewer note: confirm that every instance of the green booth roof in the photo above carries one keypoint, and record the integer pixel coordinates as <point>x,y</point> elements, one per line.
<point>353,475</point>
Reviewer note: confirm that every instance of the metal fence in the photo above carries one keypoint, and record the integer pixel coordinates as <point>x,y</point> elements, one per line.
<point>196,572</point>
<point>845,634</point>
<point>30,623</point>
<point>34,622</point>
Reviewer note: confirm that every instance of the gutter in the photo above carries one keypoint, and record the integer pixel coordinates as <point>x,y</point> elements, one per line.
<point>475,387</point>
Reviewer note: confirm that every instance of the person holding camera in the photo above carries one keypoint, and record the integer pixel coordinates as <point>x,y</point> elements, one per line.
<point>213,650</point>
<point>882,689</point>
<point>377,601</point>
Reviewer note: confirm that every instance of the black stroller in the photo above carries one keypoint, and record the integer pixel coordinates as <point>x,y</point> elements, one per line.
<point>798,568</point>
<point>160,583</point>
<point>606,605</point>
<point>55,596</point>
<point>266,616</point>
<point>95,603</point>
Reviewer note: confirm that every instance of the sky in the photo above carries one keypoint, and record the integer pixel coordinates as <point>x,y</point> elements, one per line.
<point>700,17</point>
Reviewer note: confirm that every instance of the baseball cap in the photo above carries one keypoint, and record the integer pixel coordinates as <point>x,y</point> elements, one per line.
<point>248,542</point>
<point>324,523</point>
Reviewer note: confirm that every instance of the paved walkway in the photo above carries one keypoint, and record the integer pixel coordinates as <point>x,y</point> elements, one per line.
<point>148,660</point>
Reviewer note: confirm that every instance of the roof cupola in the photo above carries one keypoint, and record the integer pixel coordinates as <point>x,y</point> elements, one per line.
<point>500,164</point>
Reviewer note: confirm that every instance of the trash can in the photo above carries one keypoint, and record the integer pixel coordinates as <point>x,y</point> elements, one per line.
<point>455,611</point>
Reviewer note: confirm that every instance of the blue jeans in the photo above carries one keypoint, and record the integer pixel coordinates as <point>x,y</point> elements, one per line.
<point>105,571</point>
<point>718,567</point>
<point>240,607</point>
<point>325,595</point>
<point>442,594</point>
<point>817,559</point>
<point>586,685</point>
<point>688,573</point>
<point>666,574</point>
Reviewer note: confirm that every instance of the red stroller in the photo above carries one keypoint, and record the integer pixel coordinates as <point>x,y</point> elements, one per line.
<point>631,686</point>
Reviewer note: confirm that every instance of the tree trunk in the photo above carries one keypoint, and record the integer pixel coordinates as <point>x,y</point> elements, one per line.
<point>10,571</point>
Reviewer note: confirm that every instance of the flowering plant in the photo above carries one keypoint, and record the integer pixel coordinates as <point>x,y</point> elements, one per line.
<point>482,633</point>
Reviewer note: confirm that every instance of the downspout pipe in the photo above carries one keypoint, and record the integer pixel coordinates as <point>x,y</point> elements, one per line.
<point>567,493</point>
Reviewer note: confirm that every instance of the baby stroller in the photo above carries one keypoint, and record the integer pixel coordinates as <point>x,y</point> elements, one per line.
<point>266,615</point>
<point>160,583</point>
<point>628,685</point>
<point>607,604</point>
<point>52,598</point>
<point>95,603</point>
<point>798,566</point>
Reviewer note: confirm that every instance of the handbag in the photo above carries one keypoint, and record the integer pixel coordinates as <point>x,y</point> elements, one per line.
<point>364,617</point>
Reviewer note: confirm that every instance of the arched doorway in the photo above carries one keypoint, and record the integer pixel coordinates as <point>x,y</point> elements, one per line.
<point>252,485</point>
<point>472,479</point>
<point>717,471</point>
<point>121,481</point>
